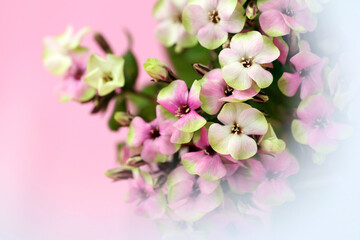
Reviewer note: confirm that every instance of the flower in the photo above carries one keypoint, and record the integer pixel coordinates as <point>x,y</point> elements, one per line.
<point>73,86</point>
<point>212,20</point>
<point>279,16</point>
<point>105,75</point>
<point>183,104</point>
<point>241,120</point>
<point>309,68</point>
<point>170,30</point>
<point>274,190</point>
<point>241,63</point>
<point>191,197</point>
<point>206,163</point>
<point>215,92</point>
<point>283,48</point>
<point>59,50</point>
<point>149,202</point>
<point>154,137</point>
<point>315,126</point>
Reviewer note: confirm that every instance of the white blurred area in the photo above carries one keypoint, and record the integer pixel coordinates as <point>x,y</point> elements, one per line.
<point>328,195</point>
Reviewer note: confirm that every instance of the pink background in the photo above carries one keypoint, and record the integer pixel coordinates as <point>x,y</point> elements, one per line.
<point>53,155</point>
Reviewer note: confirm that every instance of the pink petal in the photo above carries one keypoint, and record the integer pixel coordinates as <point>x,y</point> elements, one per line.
<point>338,131</point>
<point>234,23</point>
<point>190,122</point>
<point>219,137</point>
<point>149,152</point>
<point>272,22</point>
<point>320,142</point>
<point>206,186</point>
<point>274,193</point>
<point>242,95</point>
<point>142,131</point>
<point>252,122</point>
<point>293,24</point>
<point>210,167</point>
<point>166,32</point>
<point>194,100</point>
<point>304,59</point>
<point>312,108</point>
<point>306,19</point>
<point>284,49</point>
<point>164,146</point>
<point>228,56</point>
<point>262,77</point>
<point>226,8</point>
<point>268,53</point>
<point>179,191</point>
<point>283,164</point>
<point>203,140</point>
<point>289,83</point>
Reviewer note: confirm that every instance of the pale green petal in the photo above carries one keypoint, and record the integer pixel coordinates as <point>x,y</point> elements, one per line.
<point>299,132</point>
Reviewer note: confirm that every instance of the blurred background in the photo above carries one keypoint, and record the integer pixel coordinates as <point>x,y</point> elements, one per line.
<point>53,156</point>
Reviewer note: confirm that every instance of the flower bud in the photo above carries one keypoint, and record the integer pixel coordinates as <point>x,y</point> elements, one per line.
<point>252,10</point>
<point>119,174</point>
<point>269,143</point>
<point>123,118</point>
<point>159,71</point>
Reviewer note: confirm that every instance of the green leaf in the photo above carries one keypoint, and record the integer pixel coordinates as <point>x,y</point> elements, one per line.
<point>120,106</point>
<point>131,70</point>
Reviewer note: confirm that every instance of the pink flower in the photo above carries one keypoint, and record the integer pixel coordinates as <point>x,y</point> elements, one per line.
<point>278,17</point>
<point>274,190</point>
<point>212,20</point>
<point>283,48</point>
<point>183,104</point>
<point>315,126</point>
<point>190,197</point>
<point>149,202</point>
<point>206,163</point>
<point>241,63</point>
<point>234,138</point>
<point>73,86</point>
<point>215,92</point>
<point>309,68</point>
<point>154,137</point>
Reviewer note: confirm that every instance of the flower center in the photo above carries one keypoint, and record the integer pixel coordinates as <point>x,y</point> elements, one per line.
<point>229,91</point>
<point>107,77</point>
<point>246,62</point>
<point>154,132</point>
<point>195,190</point>
<point>214,16</point>
<point>288,11</point>
<point>305,73</point>
<point>321,123</point>
<point>209,151</point>
<point>177,18</point>
<point>236,129</point>
<point>182,111</point>
<point>79,72</point>
<point>272,175</point>
<point>143,194</point>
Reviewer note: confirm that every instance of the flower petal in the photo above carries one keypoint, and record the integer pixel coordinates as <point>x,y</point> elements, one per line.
<point>219,137</point>
<point>262,77</point>
<point>194,100</point>
<point>236,76</point>
<point>248,44</point>
<point>173,96</point>
<point>274,193</point>
<point>289,83</point>
<point>190,122</point>
<point>212,36</point>
<point>252,122</point>
<point>226,8</point>
<point>268,53</point>
<point>272,23</point>
<point>194,18</point>
<point>210,168</point>
<point>231,111</point>
<point>242,146</point>
<point>234,23</point>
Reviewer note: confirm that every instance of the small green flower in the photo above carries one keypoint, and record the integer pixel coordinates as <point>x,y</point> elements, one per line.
<point>105,75</point>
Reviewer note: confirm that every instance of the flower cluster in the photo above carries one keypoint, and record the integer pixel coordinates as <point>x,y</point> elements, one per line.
<point>208,145</point>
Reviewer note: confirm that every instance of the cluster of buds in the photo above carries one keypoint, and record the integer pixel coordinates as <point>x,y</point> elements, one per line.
<point>208,145</point>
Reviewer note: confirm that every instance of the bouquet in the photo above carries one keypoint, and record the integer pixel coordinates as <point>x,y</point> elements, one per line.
<point>212,140</point>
